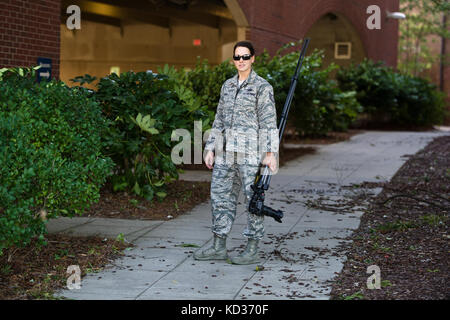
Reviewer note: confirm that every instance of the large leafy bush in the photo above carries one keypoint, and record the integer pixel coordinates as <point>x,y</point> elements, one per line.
<point>386,94</point>
<point>143,110</point>
<point>206,81</point>
<point>50,154</point>
<point>318,105</point>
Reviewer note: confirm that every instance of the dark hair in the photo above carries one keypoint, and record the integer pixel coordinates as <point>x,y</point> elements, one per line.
<point>246,44</point>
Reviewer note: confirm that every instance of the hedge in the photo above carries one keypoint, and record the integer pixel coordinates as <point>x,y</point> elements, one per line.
<point>51,163</point>
<point>386,94</point>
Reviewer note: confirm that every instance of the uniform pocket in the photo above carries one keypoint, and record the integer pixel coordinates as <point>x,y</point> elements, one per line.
<point>248,97</point>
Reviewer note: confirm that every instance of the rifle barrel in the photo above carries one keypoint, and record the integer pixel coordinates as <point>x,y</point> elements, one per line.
<point>287,104</point>
<point>264,181</point>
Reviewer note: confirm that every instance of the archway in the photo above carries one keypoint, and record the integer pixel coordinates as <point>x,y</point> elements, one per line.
<point>336,36</point>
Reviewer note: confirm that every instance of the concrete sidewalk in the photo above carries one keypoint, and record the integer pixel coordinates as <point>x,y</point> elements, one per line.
<point>300,255</point>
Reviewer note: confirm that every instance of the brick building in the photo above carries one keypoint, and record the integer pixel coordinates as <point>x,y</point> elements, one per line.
<point>28,30</point>
<point>142,34</point>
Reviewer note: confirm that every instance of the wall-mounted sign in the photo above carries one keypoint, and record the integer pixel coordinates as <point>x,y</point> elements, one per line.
<point>342,50</point>
<point>115,69</point>
<point>45,70</point>
<point>197,42</point>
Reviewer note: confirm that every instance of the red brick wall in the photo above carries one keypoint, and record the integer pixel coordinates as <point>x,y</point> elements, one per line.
<point>28,30</point>
<point>273,23</point>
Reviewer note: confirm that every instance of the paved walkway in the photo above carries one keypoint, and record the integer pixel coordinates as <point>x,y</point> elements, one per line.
<point>300,256</point>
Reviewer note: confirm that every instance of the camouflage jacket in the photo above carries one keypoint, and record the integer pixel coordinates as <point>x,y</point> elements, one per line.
<point>246,119</point>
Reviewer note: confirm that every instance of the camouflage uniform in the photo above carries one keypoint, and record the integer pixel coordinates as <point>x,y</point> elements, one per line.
<point>244,115</point>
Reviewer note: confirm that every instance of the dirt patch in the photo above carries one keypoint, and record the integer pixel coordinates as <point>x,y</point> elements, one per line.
<point>405,232</point>
<point>288,154</point>
<point>181,197</point>
<point>35,272</point>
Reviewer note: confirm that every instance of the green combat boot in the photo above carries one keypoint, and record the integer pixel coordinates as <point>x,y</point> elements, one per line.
<point>218,251</point>
<point>250,254</point>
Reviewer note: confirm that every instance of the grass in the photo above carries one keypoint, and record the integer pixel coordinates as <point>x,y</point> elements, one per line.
<point>433,219</point>
<point>378,247</point>
<point>356,295</point>
<point>386,283</point>
<point>396,226</point>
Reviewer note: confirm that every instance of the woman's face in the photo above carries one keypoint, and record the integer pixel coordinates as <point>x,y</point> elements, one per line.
<point>243,65</point>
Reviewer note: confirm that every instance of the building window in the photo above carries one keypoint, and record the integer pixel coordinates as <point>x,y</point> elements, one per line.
<point>342,50</point>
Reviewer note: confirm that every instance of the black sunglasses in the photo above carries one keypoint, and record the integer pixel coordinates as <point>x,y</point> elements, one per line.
<point>244,57</point>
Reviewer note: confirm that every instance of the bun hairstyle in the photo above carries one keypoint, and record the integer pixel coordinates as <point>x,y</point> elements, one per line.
<point>246,44</point>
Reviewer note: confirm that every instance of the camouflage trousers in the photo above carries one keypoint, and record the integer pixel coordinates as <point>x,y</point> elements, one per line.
<point>227,181</point>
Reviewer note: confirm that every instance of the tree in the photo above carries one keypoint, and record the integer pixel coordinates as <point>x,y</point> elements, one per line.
<point>424,22</point>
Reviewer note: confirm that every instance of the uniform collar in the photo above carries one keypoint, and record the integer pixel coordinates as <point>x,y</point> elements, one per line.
<point>250,79</point>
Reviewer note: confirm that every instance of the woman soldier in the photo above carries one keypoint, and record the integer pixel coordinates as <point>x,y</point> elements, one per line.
<point>246,115</point>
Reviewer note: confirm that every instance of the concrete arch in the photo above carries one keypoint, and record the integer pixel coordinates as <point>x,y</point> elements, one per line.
<point>330,29</point>
<point>274,23</point>
<point>350,16</point>
<point>242,27</point>
<point>355,12</point>
<point>237,13</point>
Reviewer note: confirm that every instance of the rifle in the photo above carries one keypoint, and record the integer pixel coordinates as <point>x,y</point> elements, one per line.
<point>262,181</point>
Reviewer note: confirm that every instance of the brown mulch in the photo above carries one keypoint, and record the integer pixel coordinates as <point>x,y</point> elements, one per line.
<point>35,272</point>
<point>181,197</point>
<point>288,154</point>
<point>405,232</point>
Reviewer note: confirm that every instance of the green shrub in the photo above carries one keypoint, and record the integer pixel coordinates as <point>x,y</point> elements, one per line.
<point>206,81</point>
<point>419,103</point>
<point>143,109</point>
<point>318,105</point>
<point>50,154</point>
<point>386,94</point>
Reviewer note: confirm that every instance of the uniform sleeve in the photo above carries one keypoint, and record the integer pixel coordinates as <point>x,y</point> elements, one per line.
<point>267,117</point>
<point>218,126</point>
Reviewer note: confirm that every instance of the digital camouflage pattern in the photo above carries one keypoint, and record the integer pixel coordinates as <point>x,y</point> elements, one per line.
<point>245,124</point>
<point>226,184</point>
<point>245,120</point>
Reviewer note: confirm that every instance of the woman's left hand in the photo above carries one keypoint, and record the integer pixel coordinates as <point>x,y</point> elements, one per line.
<point>270,161</point>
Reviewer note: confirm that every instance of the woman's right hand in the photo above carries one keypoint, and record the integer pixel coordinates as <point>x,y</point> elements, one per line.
<point>209,159</point>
